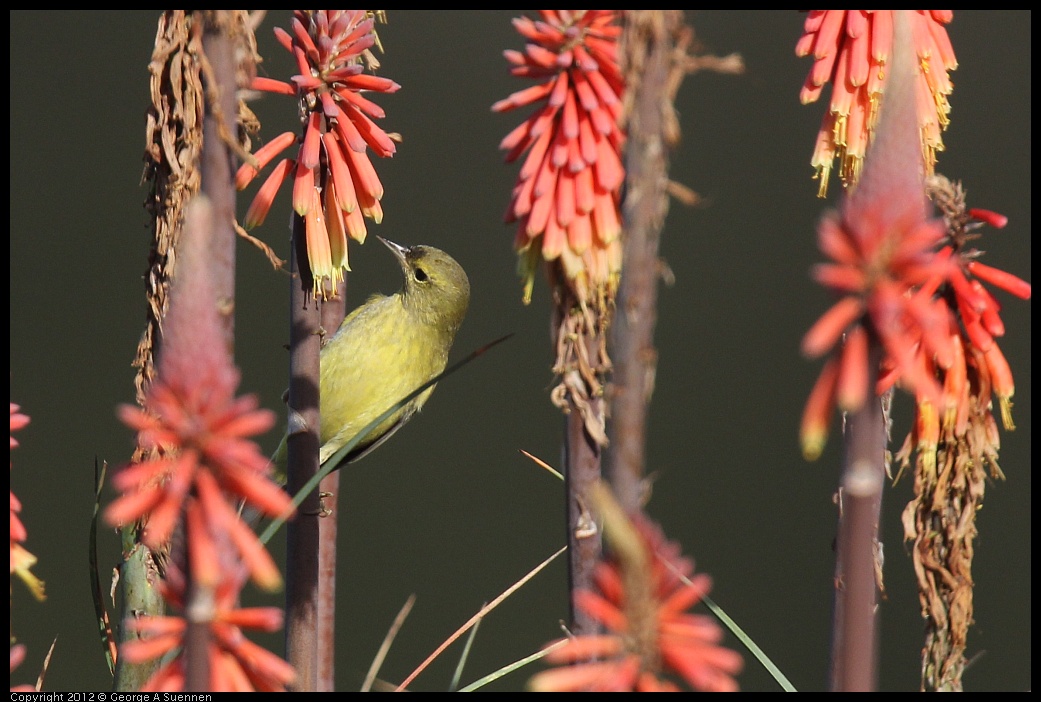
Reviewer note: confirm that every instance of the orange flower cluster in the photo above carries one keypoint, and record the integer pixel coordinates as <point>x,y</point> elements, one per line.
<point>651,635</point>
<point>202,432</point>
<point>929,308</point>
<point>235,663</point>
<point>904,280</point>
<point>21,559</point>
<point>334,183</point>
<point>204,461</point>
<point>850,49</point>
<point>873,270</point>
<point>566,200</point>
<point>979,367</point>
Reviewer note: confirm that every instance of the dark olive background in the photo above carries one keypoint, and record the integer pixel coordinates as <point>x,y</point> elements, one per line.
<point>450,510</point>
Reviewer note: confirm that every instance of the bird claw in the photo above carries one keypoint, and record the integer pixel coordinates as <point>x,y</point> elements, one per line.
<point>323,511</point>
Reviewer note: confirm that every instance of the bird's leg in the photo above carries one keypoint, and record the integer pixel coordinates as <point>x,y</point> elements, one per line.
<point>323,511</point>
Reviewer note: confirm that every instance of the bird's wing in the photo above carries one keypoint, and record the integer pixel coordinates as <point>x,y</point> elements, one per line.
<point>361,451</point>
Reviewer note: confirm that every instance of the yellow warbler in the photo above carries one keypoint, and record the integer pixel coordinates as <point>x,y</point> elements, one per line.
<point>385,349</point>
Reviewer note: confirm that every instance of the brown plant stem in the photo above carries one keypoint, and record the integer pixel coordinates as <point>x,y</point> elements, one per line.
<point>581,472</point>
<point>858,556</point>
<point>332,314</point>
<point>579,334</point>
<point>652,40</point>
<point>302,444</point>
<point>217,164</point>
<point>220,124</point>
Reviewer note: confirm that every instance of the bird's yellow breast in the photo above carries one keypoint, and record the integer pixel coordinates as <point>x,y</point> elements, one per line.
<point>379,355</point>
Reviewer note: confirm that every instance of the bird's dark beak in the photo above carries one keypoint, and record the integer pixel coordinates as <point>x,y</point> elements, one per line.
<point>399,251</point>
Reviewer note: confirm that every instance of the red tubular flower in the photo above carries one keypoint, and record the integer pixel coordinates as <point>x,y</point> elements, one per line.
<point>650,633</point>
<point>200,419</point>
<point>851,49</point>
<point>566,198</point>
<point>21,559</point>
<point>968,299</point>
<point>328,46</point>
<point>885,269</point>
<point>200,429</point>
<point>942,328</point>
<point>235,663</point>
<point>203,431</point>
<point>873,268</point>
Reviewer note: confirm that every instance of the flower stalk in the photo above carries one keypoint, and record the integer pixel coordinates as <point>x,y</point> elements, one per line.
<point>566,206</point>
<point>653,46</point>
<point>302,444</point>
<point>883,245</point>
<point>334,189</point>
<point>196,125</point>
<point>206,464</point>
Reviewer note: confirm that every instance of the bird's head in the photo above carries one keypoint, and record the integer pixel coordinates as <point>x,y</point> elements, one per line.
<point>436,287</point>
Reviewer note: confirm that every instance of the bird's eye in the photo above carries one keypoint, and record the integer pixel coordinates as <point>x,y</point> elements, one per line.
<point>421,275</point>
